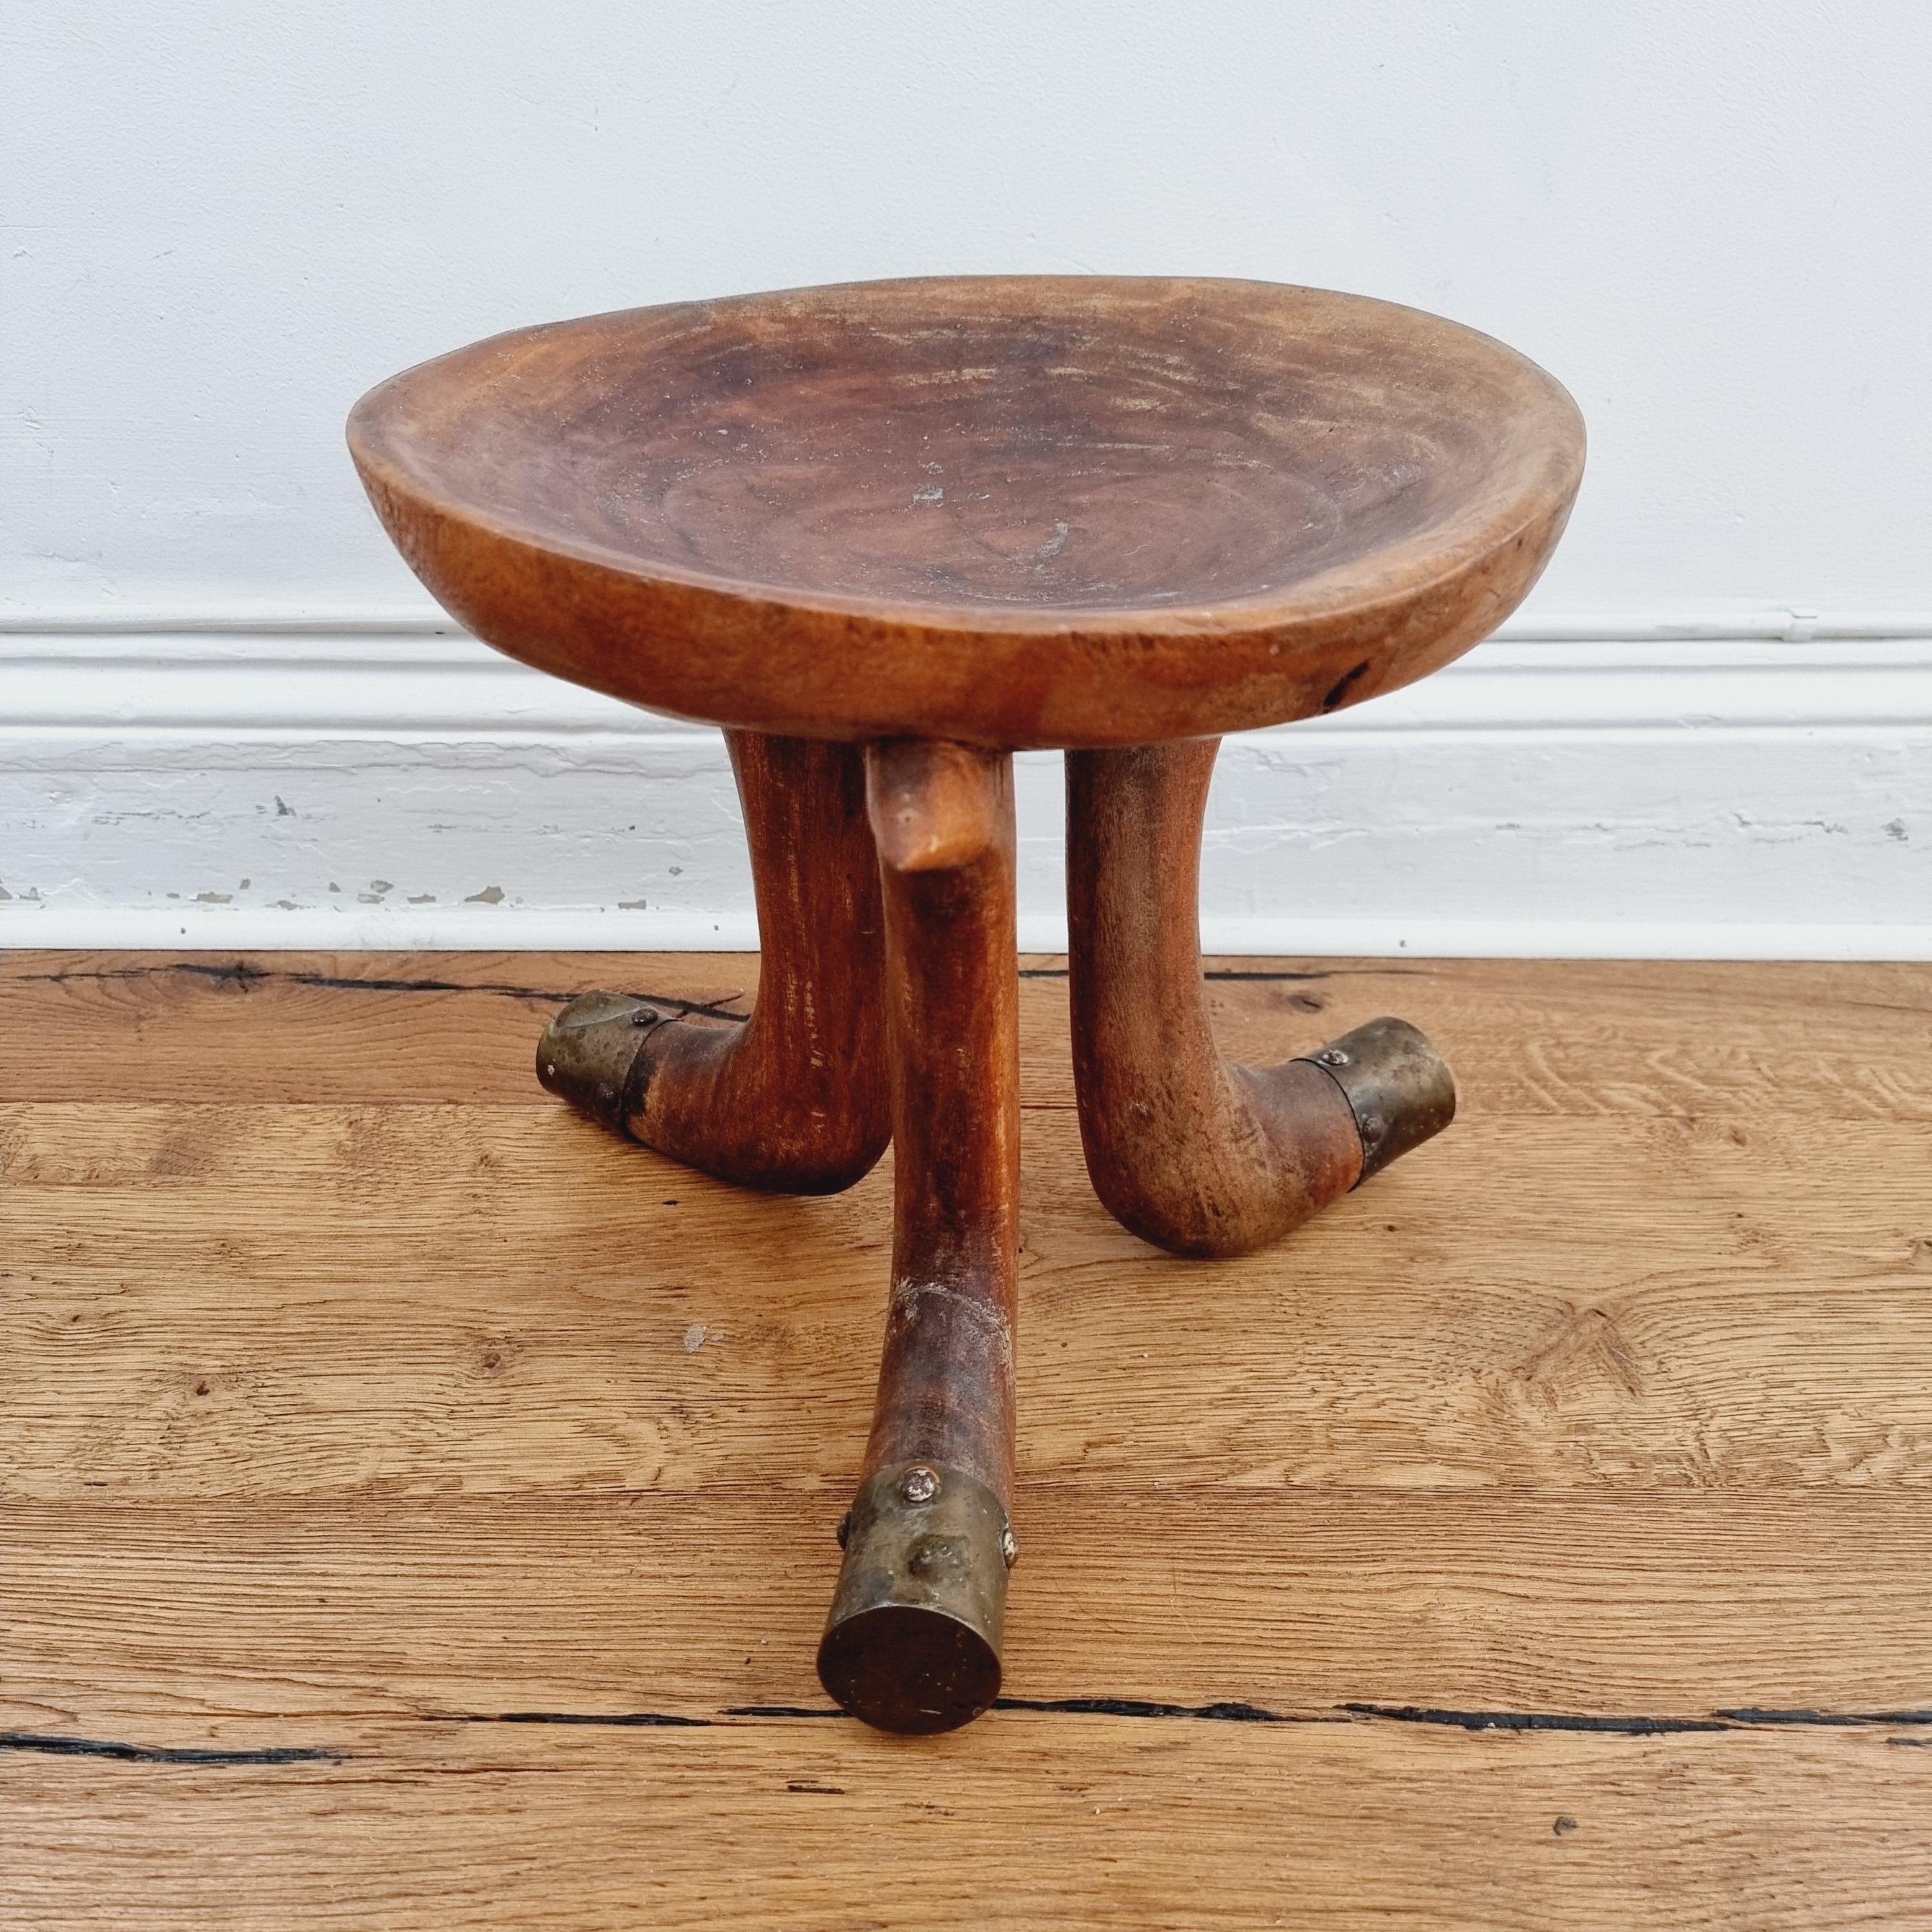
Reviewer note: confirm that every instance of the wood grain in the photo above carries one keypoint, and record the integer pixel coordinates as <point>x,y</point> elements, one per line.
<point>912,1640</point>
<point>1008,510</point>
<point>793,1099</point>
<point>199,1622</point>
<point>1200,1155</point>
<point>361,1397</point>
<point>1542,1038</point>
<point>1054,1821</point>
<point>1745,1311</point>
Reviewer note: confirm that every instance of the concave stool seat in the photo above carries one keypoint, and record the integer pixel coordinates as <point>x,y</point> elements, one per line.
<point>886,534</point>
<point>1015,512</point>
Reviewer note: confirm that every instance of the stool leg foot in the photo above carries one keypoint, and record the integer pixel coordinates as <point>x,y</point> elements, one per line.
<point>795,1098</point>
<point>912,1642</point>
<point>1197,1154</point>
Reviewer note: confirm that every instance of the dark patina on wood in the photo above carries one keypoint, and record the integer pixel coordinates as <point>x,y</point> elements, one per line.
<point>886,534</point>
<point>1017,511</point>
<point>795,1100</point>
<point>1199,1155</point>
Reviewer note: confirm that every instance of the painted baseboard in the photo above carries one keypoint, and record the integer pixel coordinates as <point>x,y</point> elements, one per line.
<point>1753,786</point>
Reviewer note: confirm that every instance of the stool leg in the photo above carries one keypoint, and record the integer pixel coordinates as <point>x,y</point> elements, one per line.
<point>795,1098</point>
<point>912,1642</point>
<point>1194,1153</point>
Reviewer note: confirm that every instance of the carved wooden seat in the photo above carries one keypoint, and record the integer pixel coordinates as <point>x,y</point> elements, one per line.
<point>886,534</point>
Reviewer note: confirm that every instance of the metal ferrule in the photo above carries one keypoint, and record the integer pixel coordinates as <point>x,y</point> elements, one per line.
<point>913,1643</point>
<point>1397,1086</point>
<point>592,1054</point>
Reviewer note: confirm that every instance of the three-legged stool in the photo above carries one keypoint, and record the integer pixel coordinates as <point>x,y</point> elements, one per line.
<point>886,534</point>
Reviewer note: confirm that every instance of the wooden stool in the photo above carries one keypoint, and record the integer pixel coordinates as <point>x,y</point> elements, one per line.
<point>886,534</point>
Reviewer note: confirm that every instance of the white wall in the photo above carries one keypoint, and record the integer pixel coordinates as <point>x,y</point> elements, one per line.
<point>226,220</point>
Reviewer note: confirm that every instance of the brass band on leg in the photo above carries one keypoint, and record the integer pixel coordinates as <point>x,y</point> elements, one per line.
<point>912,1642</point>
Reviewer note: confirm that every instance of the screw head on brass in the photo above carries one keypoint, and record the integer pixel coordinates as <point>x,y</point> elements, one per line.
<point>845,1530</point>
<point>919,1485</point>
<point>1009,1546</point>
<point>645,1016</point>
<point>1332,1056</point>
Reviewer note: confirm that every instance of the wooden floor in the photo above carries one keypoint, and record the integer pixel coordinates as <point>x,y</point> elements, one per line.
<point>420,1504</point>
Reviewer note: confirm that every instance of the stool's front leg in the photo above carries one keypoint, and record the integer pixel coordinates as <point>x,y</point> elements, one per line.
<point>1197,1154</point>
<point>913,1643</point>
<point>794,1099</point>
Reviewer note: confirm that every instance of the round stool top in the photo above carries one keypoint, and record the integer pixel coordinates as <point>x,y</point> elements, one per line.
<point>1018,510</point>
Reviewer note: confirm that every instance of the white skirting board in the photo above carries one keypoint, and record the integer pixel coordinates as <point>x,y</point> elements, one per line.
<point>1759,788</point>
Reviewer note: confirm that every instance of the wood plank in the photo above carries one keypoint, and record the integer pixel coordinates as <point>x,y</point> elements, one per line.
<point>1713,1038</point>
<point>185,1619</point>
<point>1054,1821</point>
<point>213,1301</point>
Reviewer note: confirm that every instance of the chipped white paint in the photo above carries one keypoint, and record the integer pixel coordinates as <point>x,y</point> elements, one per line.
<point>300,783</point>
